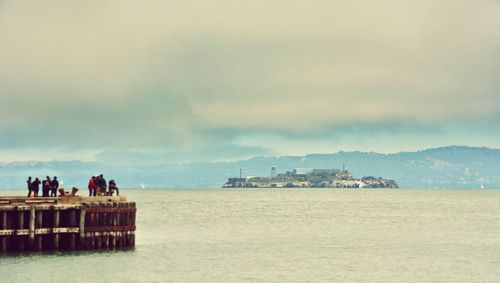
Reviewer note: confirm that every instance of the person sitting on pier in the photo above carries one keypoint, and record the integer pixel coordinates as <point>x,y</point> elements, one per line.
<point>35,186</point>
<point>63,193</point>
<point>54,185</point>
<point>113,188</point>
<point>30,188</point>
<point>46,187</point>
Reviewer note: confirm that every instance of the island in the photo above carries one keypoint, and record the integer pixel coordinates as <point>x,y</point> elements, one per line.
<point>309,178</point>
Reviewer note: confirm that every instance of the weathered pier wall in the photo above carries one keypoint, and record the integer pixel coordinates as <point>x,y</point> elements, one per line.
<point>66,223</point>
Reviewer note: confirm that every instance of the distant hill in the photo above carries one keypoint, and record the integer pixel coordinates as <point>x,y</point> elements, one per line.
<point>444,167</point>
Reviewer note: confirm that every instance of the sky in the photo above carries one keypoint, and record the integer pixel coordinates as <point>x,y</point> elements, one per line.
<point>181,81</point>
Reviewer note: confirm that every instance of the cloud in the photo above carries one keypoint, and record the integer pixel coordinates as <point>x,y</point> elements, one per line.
<point>220,152</point>
<point>101,75</point>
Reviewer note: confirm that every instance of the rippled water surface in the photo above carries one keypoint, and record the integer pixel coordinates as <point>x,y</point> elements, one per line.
<point>291,236</point>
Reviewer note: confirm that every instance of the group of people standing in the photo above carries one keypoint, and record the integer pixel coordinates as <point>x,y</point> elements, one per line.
<point>99,187</point>
<point>49,187</point>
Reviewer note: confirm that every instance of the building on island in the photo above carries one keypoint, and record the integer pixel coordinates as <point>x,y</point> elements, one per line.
<point>309,178</point>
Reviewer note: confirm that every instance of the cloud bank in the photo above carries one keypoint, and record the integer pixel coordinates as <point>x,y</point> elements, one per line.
<point>230,79</point>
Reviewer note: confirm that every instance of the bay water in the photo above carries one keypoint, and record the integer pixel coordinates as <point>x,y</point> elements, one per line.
<point>280,235</point>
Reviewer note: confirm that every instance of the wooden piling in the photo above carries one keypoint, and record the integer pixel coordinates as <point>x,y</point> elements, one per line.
<point>82,226</point>
<point>106,217</point>
<point>20,227</point>
<point>119,223</point>
<point>113,224</point>
<point>32,225</point>
<point>72,224</point>
<point>55,243</point>
<point>94,223</point>
<point>38,226</point>
<point>3,238</point>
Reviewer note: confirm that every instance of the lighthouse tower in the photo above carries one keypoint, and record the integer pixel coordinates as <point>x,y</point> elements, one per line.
<point>273,171</point>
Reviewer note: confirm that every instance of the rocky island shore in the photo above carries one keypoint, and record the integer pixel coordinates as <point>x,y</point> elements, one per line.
<point>310,178</point>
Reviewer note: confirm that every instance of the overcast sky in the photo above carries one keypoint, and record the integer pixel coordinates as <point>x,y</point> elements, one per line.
<point>228,79</point>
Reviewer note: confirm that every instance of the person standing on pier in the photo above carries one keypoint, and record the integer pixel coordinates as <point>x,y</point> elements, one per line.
<point>92,186</point>
<point>102,185</point>
<point>46,187</point>
<point>30,188</point>
<point>54,185</point>
<point>35,186</point>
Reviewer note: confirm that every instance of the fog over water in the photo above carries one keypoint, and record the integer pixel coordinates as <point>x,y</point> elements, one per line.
<point>291,236</point>
<point>232,79</point>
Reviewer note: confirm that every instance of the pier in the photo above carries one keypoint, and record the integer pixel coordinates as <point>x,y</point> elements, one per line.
<point>66,223</point>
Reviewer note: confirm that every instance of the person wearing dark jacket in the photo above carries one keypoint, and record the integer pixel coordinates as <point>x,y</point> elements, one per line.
<point>46,187</point>
<point>30,186</point>
<point>35,186</point>
<point>54,185</point>
<point>102,185</point>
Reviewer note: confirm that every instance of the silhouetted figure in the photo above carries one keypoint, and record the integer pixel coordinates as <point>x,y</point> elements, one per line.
<point>30,188</point>
<point>46,187</point>
<point>54,185</point>
<point>35,186</point>
<point>113,188</point>
<point>102,185</point>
